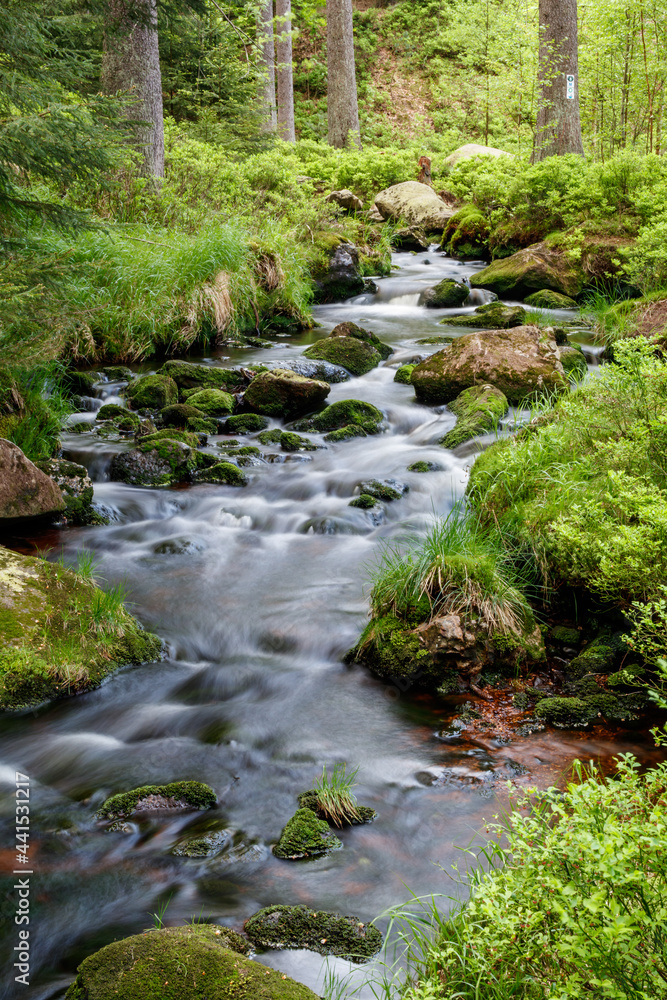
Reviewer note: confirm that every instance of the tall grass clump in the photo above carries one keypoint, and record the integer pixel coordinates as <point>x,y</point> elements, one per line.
<point>36,430</point>
<point>459,567</point>
<point>569,899</point>
<point>335,799</point>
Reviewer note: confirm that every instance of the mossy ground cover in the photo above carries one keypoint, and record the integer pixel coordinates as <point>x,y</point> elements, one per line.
<point>60,633</point>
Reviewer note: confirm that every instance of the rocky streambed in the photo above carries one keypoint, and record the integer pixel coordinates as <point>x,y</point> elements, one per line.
<point>248,555</point>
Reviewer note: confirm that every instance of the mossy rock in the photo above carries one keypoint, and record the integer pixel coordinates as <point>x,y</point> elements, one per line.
<point>284,393</point>
<point>537,267</point>
<point>157,460</point>
<point>111,410</point>
<point>308,800</point>
<point>270,437</point>
<point>628,677</point>
<point>178,414</point>
<point>212,402</point>
<point>289,441</point>
<point>436,340</point>
<point>52,642</point>
<point>492,316</point>
<point>358,332</point>
<point>118,373</point>
<point>365,501</point>
<point>81,383</point>
<point>152,392</point>
<point>565,713</point>
<point>245,423</point>
<point>225,473</point>
<point>384,489</point>
<point>392,650</point>
<point>77,490</point>
<point>479,409</point>
<point>597,658</point>
<point>191,376</point>
<point>305,836</point>
<point>204,846</point>
<point>357,356</point>
<point>403,374</point>
<point>545,298</point>
<point>574,363</point>
<point>201,962</point>
<point>565,636</point>
<point>346,433</point>
<point>181,796</point>
<point>447,294</point>
<point>422,466</point>
<point>202,425</point>
<point>325,933</point>
<point>346,412</point>
<point>466,234</point>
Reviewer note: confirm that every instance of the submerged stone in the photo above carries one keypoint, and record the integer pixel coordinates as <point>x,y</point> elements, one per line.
<point>384,489</point>
<point>305,836</point>
<point>203,846</point>
<point>325,933</point>
<point>177,796</point>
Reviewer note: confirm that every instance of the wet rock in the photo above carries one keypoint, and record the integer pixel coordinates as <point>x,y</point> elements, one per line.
<point>305,836</point>
<point>346,200</point>
<point>77,491</point>
<point>384,489</point>
<point>152,392</point>
<point>191,376</point>
<point>536,268</point>
<point>417,203</point>
<point>479,409</point>
<point>328,526</point>
<point>357,356</point>
<point>447,294</point>
<point>196,962</point>
<point>325,933</point>
<point>365,501</point>
<point>547,299</point>
<point>225,473</point>
<point>565,636</point>
<point>358,332</point>
<point>424,467</point>
<point>346,412</point>
<point>492,316</point>
<point>322,370</point>
<point>179,414</point>
<point>203,846</point>
<point>177,796</point>
<point>521,362</point>
<point>565,713</point>
<point>403,374</point>
<point>118,373</point>
<point>213,402</point>
<point>245,423</point>
<point>574,363</point>
<point>157,461</point>
<point>289,441</point>
<point>472,149</point>
<point>346,433</point>
<point>339,278</point>
<point>283,393</point>
<point>436,340</point>
<point>25,491</point>
<point>597,658</point>
<point>112,410</point>
<point>81,383</point>
<point>410,239</point>
<point>270,437</point>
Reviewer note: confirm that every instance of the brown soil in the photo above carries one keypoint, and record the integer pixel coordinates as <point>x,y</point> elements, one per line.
<point>652,320</point>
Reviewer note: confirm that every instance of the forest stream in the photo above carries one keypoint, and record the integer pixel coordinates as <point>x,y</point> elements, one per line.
<point>258,593</point>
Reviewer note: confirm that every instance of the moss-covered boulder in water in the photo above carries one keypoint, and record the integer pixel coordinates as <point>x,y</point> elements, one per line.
<point>325,933</point>
<point>533,269</point>
<point>157,461</point>
<point>346,412</point>
<point>478,410</point>
<point>59,634</point>
<point>403,374</point>
<point>283,393</point>
<point>178,414</point>
<point>224,473</point>
<point>358,332</point>
<point>152,392</point>
<point>190,376</point>
<point>521,362</point>
<point>548,299</point>
<point>289,441</point>
<point>305,836</point>
<point>245,423</point>
<point>180,796</point>
<point>565,713</point>
<point>213,402</point>
<point>364,501</point>
<point>492,316</point>
<point>111,410</point>
<point>384,489</point>
<point>81,383</point>
<point>25,491</point>
<point>466,234</point>
<point>196,962</point>
<point>345,433</point>
<point>447,294</point>
<point>77,491</point>
<point>574,363</point>
<point>358,356</point>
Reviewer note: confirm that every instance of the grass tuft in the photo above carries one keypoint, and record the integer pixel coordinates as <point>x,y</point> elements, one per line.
<point>335,800</point>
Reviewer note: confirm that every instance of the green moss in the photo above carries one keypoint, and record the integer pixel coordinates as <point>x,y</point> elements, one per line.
<point>168,434</point>
<point>200,962</point>
<point>111,410</point>
<point>379,490</point>
<point>195,377</point>
<point>326,933</point>
<point>597,658</point>
<point>493,316</point>
<point>223,472</point>
<point>565,713</point>
<point>81,383</point>
<point>284,393</point>
<point>574,363</point>
<point>203,846</point>
<point>247,449</point>
<point>152,392</point>
<point>365,501</point>
<point>423,467</point>
<point>345,433</point>
<point>628,676</point>
<point>118,373</point>
<point>392,650</point>
<point>479,409</point>
<point>447,294</point>
<point>436,340</point>
<point>346,412</point>
<point>547,299</point>
<point>245,423</point>
<point>213,402</point>
<point>294,442</point>
<point>305,836</point>
<point>403,374</point>
<point>202,425</point>
<point>357,356</point>
<point>193,794</point>
<point>178,414</point>
<point>466,234</point>
<point>565,636</point>
<point>358,332</point>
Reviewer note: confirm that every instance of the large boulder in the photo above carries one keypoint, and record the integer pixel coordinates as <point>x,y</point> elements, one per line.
<point>521,362</point>
<point>214,402</point>
<point>314,368</point>
<point>339,278</point>
<point>76,487</point>
<point>492,316</point>
<point>352,330</point>
<point>283,393</point>
<point>152,392</point>
<point>537,267</point>
<point>470,150</point>
<point>416,203</point>
<point>447,294</point>
<point>25,491</point>
<point>160,459</point>
<point>467,234</point>
<point>357,356</point>
<point>302,927</point>
<point>191,376</point>
<point>478,410</point>
<point>195,962</point>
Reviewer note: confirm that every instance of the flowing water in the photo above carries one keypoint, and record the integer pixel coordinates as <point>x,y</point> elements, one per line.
<point>258,592</point>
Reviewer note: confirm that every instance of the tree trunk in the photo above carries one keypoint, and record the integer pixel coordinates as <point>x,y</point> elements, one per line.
<point>558,127</point>
<point>284,70</point>
<point>267,87</point>
<point>343,110</point>
<point>131,65</point>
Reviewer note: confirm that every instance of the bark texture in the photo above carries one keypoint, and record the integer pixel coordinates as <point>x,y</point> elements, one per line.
<point>131,65</point>
<point>558,127</point>
<point>343,110</point>
<point>284,70</point>
<point>267,87</point>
